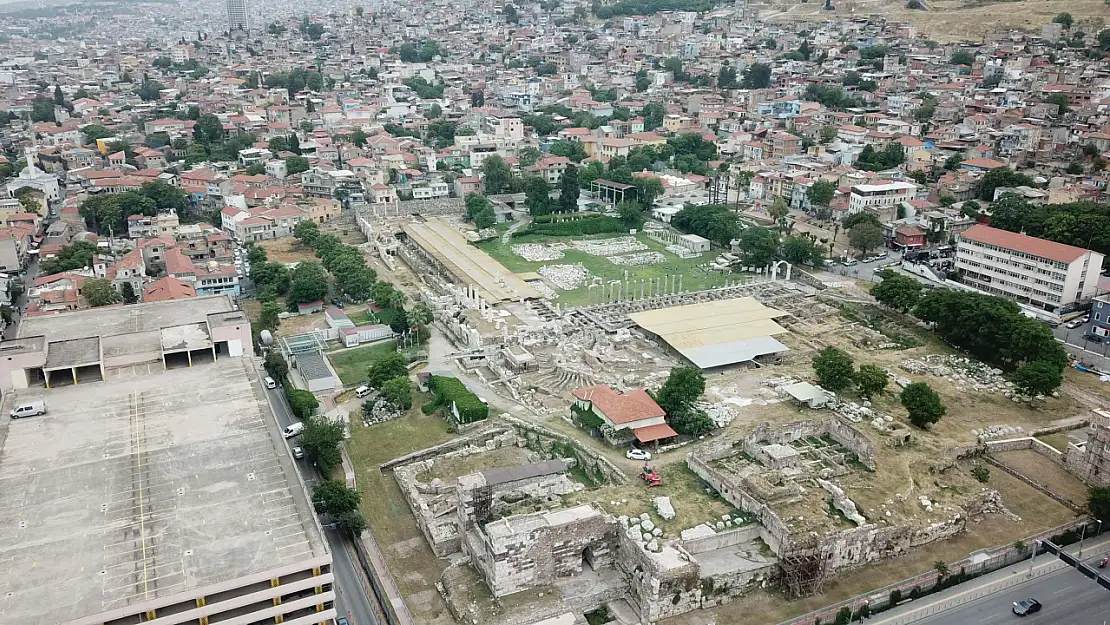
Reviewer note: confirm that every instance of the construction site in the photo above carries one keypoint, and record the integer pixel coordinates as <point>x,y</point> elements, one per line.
<point>527,516</point>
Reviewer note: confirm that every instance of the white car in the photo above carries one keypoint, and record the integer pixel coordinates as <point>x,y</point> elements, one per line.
<point>637,454</point>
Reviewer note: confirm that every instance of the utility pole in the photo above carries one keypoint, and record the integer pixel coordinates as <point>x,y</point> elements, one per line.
<point>1032,557</point>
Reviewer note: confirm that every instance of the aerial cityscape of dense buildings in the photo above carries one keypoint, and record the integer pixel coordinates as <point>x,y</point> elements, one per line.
<point>552,312</point>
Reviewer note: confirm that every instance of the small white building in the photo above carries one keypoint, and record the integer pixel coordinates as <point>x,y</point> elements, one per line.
<point>694,243</point>
<point>877,197</point>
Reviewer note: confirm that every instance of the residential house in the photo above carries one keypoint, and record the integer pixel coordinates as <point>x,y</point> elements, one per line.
<point>624,416</point>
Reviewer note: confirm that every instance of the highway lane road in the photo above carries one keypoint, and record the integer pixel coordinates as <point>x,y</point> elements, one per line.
<point>1068,598</point>
<point>352,600</point>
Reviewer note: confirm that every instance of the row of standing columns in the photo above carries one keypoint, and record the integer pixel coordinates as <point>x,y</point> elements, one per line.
<point>616,291</point>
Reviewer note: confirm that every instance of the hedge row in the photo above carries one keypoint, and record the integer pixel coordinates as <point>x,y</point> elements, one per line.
<point>556,217</point>
<point>449,390</point>
<point>576,227</point>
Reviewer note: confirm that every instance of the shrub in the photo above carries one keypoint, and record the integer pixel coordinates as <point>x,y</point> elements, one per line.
<point>594,224</point>
<point>915,594</point>
<point>302,403</point>
<point>450,390</point>
<point>895,597</point>
<point>844,616</point>
<point>981,473</point>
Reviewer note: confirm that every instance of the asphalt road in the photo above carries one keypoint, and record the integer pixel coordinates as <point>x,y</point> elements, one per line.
<point>352,600</point>
<point>1068,598</point>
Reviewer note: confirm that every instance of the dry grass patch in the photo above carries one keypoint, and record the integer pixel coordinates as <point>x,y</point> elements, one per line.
<point>448,469</point>
<point>1046,473</point>
<point>286,250</point>
<point>412,563</point>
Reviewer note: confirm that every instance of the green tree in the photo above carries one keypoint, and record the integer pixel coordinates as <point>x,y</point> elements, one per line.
<point>528,155</point>
<point>75,256</point>
<point>303,404</point>
<point>351,523</point>
<point>574,150</point>
<point>485,218</point>
<point>1060,100</point>
<point>820,193</point>
<point>208,129</point>
<point>333,498</point>
<point>1038,378</point>
<point>128,294</point>
<point>308,283</point>
<point>268,318</point>
<point>870,380</point>
<point>961,57</point>
<point>418,315</point>
<point>648,188</point>
<point>306,232</point>
<point>1064,19</point>
<point>757,246</point>
<point>865,237</point>
<point>643,81</point>
<point>569,190</point>
<point>952,162</point>
<point>897,291</point>
<point>757,76</point>
<point>321,438</point>
<point>631,213</point>
<point>398,392</point>
<point>779,211</point>
<point>497,177</point>
<point>296,165</point>
<point>276,366</point>
<point>678,396</point>
<point>99,292</point>
<point>92,132</point>
<point>802,250</point>
<point>537,195</point>
<point>923,404</point>
<point>1098,502</point>
<point>257,169</point>
<point>391,366</point>
<point>834,369</point>
<point>1002,177</point>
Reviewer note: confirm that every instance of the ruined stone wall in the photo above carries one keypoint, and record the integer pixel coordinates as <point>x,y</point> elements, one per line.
<point>871,543</point>
<point>773,531</point>
<point>433,506</point>
<point>541,553</point>
<point>477,438</point>
<point>503,495</point>
<point>720,540</point>
<point>843,433</point>
<point>551,444</point>
<point>723,588</point>
<point>660,584</point>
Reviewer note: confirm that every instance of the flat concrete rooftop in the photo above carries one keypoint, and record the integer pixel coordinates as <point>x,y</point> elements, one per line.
<point>113,320</point>
<point>141,487</point>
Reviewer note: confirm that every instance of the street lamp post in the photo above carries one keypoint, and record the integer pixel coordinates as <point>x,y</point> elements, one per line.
<point>1084,535</point>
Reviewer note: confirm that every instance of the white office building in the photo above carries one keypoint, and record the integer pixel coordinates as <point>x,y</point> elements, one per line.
<point>879,197</point>
<point>237,18</point>
<point>1043,274</point>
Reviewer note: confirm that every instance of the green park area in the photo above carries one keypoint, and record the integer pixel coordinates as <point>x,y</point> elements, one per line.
<point>351,363</point>
<point>695,275</point>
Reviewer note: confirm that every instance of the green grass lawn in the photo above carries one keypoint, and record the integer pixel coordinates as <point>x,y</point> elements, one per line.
<point>368,317</point>
<point>694,277</point>
<point>351,364</point>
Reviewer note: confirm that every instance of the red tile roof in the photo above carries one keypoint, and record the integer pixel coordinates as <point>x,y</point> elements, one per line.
<point>621,408</point>
<point>168,288</point>
<point>654,432</point>
<point>1051,250</point>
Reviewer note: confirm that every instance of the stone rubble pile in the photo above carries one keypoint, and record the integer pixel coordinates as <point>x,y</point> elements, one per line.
<point>963,372</point>
<point>610,247</point>
<point>721,413</point>
<point>989,502</point>
<point>638,260</point>
<point>565,277</point>
<point>663,507</point>
<point>536,252</point>
<point>857,413</point>
<point>997,431</point>
<point>642,530</point>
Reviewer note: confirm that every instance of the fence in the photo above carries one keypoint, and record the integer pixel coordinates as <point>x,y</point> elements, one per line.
<point>879,599</point>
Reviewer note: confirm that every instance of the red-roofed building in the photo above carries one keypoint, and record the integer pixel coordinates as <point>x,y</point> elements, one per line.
<point>1041,273</point>
<point>165,289</point>
<point>625,416</point>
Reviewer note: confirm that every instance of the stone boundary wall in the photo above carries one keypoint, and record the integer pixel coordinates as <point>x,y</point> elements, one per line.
<point>427,208</point>
<point>774,532</point>
<point>588,459</point>
<point>720,540</point>
<point>851,438</point>
<point>442,448</point>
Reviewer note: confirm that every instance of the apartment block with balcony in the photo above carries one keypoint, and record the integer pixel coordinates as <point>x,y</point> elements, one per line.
<point>880,198</point>
<point>1036,272</point>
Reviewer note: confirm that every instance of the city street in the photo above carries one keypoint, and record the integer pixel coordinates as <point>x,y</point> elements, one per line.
<point>352,593</point>
<point>21,304</point>
<point>1068,597</point>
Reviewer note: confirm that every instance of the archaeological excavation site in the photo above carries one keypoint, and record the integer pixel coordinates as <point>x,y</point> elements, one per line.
<point>583,499</point>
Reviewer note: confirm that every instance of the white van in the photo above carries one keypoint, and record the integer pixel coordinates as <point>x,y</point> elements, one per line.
<point>293,430</point>
<point>29,409</point>
<point>362,391</point>
<point>270,382</point>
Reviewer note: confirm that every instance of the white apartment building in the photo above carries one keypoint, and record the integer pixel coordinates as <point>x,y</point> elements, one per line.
<point>1025,269</point>
<point>879,197</point>
<point>508,128</point>
<point>238,17</point>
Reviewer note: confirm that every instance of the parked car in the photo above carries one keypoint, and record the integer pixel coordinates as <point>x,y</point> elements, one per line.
<point>293,430</point>
<point>28,409</point>
<point>341,621</point>
<point>338,303</point>
<point>362,391</point>
<point>637,454</point>
<point>1075,323</point>
<point>1094,338</point>
<point>298,453</point>
<point>851,262</point>
<point>270,382</point>
<point>1025,607</point>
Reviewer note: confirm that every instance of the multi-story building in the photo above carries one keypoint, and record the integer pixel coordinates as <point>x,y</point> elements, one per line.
<point>880,198</point>
<point>1043,274</point>
<point>1099,325</point>
<point>238,17</point>
<point>125,529</point>
<point>142,226</point>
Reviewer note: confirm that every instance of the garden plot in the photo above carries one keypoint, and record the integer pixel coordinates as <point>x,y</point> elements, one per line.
<point>565,277</point>
<point>539,252</point>
<point>639,260</point>
<point>610,247</point>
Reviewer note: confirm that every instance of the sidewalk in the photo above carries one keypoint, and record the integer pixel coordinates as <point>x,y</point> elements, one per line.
<point>1002,579</point>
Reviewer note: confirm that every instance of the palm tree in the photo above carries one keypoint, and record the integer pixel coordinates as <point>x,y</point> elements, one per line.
<point>941,568</point>
<point>418,315</point>
<point>396,300</point>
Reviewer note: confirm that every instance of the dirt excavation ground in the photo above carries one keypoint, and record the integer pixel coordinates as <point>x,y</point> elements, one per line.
<point>950,20</point>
